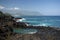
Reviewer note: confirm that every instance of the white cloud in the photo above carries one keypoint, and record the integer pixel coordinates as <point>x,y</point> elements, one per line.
<point>7,8</point>
<point>15,8</point>
<point>2,7</point>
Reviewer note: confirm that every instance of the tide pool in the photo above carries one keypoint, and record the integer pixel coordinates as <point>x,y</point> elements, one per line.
<point>24,30</point>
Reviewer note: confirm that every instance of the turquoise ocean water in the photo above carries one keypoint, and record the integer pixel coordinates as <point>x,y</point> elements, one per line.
<point>43,20</point>
<point>52,21</point>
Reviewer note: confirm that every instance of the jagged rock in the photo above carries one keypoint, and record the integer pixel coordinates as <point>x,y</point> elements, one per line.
<point>5,31</point>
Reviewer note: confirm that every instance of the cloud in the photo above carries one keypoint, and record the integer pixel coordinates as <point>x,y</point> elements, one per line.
<point>7,8</point>
<point>2,7</point>
<point>14,8</point>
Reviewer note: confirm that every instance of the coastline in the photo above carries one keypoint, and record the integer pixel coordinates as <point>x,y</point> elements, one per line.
<point>7,23</point>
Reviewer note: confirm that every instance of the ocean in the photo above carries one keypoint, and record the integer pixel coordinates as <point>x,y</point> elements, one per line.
<point>52,21</point>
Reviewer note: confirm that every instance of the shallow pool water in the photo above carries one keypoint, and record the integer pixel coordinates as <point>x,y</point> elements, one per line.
<point>25,30</point>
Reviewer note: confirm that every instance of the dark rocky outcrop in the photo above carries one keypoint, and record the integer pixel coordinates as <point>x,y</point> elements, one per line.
<point>5,29</point>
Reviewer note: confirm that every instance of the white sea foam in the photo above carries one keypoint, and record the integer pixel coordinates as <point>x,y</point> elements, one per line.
<point>31,32</point>
<point>20,20</point>
<point>43,24</point>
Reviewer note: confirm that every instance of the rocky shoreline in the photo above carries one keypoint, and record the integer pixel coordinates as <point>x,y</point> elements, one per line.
<point>7,23</point>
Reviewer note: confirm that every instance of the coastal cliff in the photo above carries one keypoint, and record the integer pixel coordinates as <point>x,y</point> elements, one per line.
<point>7,23</point>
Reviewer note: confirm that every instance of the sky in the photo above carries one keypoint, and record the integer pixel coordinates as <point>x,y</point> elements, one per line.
<point>31,7</point>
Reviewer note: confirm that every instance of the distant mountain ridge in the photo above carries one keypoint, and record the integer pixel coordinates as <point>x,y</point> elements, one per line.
<point>24,13</point>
